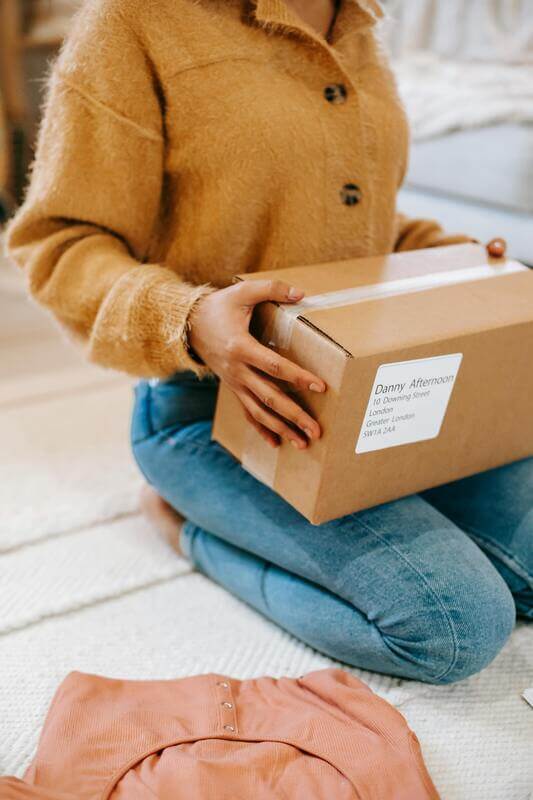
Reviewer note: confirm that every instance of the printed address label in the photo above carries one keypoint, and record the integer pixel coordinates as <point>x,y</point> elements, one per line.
<point>408,402</point>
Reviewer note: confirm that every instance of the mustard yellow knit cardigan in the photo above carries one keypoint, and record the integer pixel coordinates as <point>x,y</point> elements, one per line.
<point>184,141</point>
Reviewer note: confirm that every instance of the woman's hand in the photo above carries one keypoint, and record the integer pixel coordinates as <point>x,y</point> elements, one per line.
<point>219,334</point>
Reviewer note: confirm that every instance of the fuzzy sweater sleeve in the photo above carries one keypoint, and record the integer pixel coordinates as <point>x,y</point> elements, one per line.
<point>415,234</point>
<point>84,229</point>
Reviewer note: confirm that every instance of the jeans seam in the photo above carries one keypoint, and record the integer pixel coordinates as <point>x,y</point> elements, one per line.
<point>149,415</point>
<point>141,469</point>
<point>148,418</point>
<point>187,444</point>
<point>485,542</point>
<point>432,592</point>
<point>266,567</point>
<point>190,444</point>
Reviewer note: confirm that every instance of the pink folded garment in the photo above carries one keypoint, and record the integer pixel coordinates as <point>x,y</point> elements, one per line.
<point>324,736</point>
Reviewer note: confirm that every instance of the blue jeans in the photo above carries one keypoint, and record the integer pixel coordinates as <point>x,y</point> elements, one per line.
<point>426,587</point>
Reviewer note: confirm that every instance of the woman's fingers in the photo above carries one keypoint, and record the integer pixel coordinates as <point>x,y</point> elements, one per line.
<point>261,357</point>
<point>249,293</point>
<point>266,406</point>
<point>271,438</point>
<point>274,399</point>
<point>269,420</point>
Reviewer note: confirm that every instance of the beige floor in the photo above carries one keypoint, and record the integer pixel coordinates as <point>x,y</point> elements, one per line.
<point>36,356</point>
<point>30,342</point>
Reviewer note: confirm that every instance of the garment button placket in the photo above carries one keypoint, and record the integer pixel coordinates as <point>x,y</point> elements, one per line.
<point>335,93</point>
<point>226,703</point>
<point>350,194</point>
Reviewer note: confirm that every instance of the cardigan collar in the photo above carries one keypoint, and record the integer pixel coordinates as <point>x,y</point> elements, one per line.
<point>353,15</point>
<point>278,11</point>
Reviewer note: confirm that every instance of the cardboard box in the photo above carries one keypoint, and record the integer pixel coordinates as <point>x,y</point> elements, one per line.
<point>428,357</point>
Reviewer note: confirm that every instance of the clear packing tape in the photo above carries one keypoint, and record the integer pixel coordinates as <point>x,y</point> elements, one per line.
<point>376,291</point>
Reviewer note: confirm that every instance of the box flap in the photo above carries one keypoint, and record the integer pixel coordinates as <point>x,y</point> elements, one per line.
<point>409,305</point>
<point>333,276</point>
<point>422,317</point>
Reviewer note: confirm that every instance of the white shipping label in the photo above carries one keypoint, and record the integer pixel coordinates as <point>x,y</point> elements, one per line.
<point>408,402</point>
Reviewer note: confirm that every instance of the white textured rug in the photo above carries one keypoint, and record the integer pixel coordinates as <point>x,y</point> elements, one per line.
<point>478,30</point>
<point>65,462</point>
<point>86,585</point>
<point>442,95</point>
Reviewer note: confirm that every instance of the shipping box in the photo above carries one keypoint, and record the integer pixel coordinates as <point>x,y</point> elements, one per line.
<point>428,358</point>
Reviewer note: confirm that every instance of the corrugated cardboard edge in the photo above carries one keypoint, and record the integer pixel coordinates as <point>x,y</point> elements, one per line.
<point>281,336</point>
<point>247,446</point>
<point>322,356</point>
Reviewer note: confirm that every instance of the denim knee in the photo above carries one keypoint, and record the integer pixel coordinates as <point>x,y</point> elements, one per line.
<point>480,623</point>
<point>453,633</point>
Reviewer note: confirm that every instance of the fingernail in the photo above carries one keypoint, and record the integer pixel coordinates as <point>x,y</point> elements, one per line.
<point>497,247</point>
<point>309,432</point>
<point>295,294</point>
<point>316,387</point>
<point>295,443</point>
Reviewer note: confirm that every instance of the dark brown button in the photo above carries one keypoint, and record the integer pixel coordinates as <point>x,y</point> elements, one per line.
<point>350,194</point>
<point>335,93</point>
